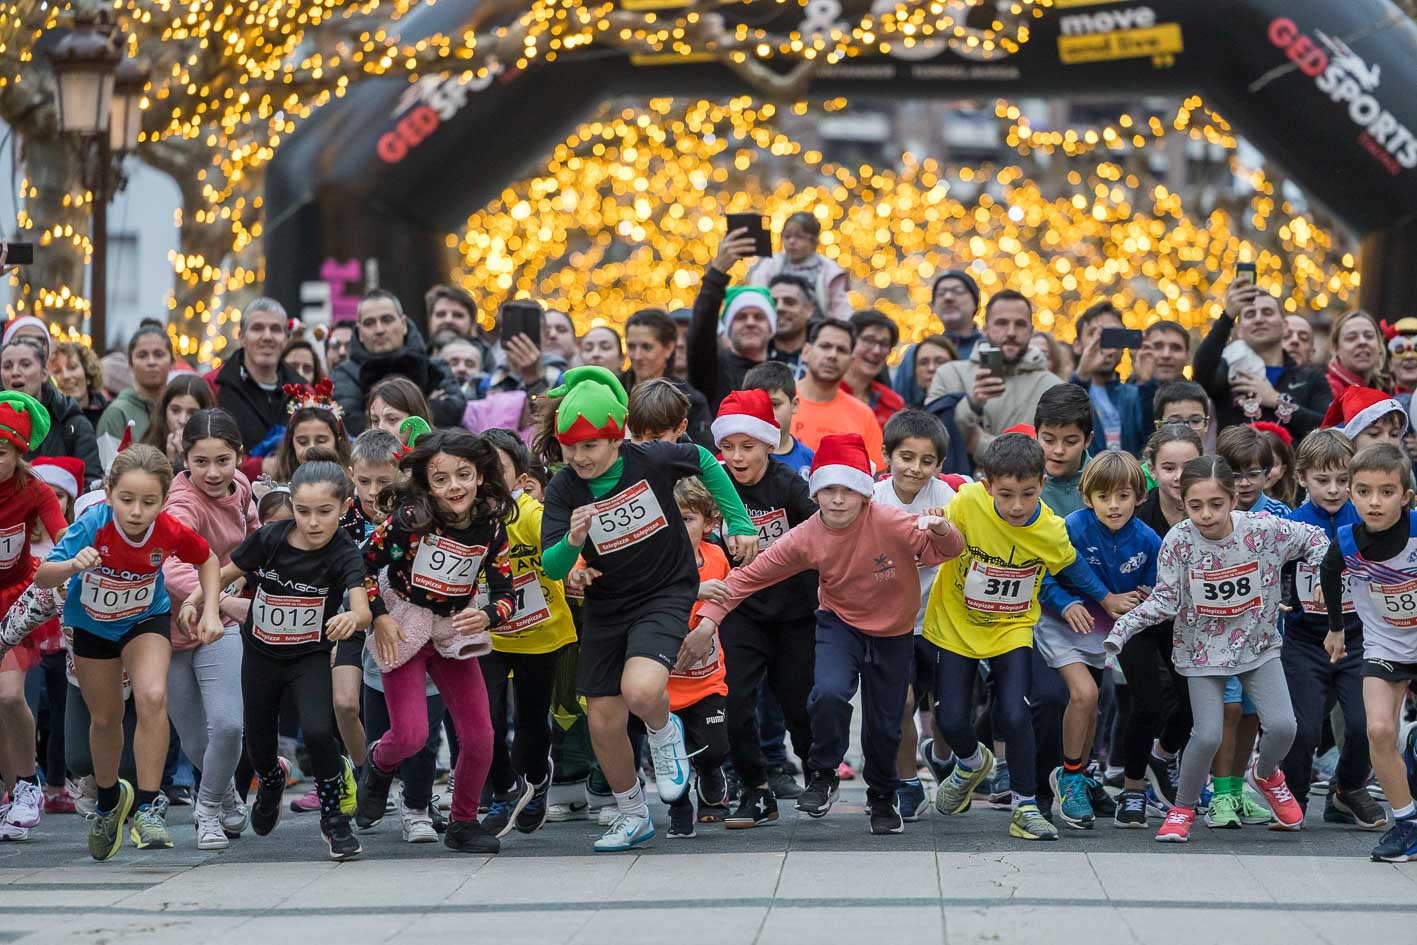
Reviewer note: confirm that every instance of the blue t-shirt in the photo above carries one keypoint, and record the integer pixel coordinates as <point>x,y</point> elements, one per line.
<point>1272,374</point>
<point>798,459</point>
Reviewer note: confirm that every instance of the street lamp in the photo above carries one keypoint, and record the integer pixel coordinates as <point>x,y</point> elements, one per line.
<point>126,116</point>
<point>84,62</point>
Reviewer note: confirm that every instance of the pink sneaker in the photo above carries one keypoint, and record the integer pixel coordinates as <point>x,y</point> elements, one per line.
<point>1288,815</point>
<point>845,772</point>
<point>1176,828</point>
<point>309,801</point>
<point>60,803</point>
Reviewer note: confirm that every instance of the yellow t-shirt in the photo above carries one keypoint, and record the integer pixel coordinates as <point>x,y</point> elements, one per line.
<point>542,614</point>
<point>985,602</point>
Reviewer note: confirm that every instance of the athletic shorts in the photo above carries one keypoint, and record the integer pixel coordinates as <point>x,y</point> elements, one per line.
<point>654,634</point>
<point>1389,671</point>
<point>922,677</point>
<point>91,646</point>
<point>1235,692</point>
<point>350,651</point>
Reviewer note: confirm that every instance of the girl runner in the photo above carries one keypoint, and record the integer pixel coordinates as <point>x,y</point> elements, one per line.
<point>1217,574</point>
<point>315,423</point>
<point>118,608</point>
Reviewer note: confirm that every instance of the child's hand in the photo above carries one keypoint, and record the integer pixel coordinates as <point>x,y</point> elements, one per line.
<point>1118,604</point>
<point>1319,604</point>
<point>581,578</point>
<point>743,548</point>
<point>470,621</point>
<point>211,629</point>
<point>187,615</point>
<point>697,645</point>
<point>1079,620</point>
<point>1335,646</point>
<point>341,626</point>
<point>580,525</point>
<point>387,637</point>
<point>85,559</point>
<point>714,590</point>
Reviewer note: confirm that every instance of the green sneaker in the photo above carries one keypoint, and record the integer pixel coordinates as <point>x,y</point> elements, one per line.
<point>347,790</point>
<point>1253,812</point>
<point>956,791</point>
<point>1224,812</point>
<point>106,830</point>
<point>1029,824</point>
<point>149,830</point>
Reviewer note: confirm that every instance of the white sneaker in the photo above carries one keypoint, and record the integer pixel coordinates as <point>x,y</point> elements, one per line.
<point>234,813</point>
<point>26,805</point>
<point>671,763</point>
<point>445,799</point>
<point>628,830</point>
<point>562,813</point>
<point>9,831</point>
<point>85,792</point>
<point>211,835</point>
<point>417,825</point>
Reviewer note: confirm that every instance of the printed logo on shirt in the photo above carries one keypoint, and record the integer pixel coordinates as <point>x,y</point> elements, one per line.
<point>155,558</point>
<point>1135,563</point>
<point>884,568</point>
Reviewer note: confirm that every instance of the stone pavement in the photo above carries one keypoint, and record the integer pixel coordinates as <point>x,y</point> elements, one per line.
<point>955,880</point>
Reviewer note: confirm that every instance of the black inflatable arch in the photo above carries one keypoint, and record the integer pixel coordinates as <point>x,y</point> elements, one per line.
<point>370,185</point>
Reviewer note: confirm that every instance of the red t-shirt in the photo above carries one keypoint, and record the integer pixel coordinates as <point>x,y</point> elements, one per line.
<point>710,675</point>
<point>24,500</point>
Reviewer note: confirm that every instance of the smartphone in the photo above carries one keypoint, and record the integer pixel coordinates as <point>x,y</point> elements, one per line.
<point>757,226</point>
<point>19,254</point>
<point>993,360</point>
<point>1245,269</point>
<point>521,317</point>
<point>1118,338</point>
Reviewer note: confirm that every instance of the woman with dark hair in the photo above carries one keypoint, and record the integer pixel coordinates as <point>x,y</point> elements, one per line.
<point>800,237</point>
<point>150,357</point>
<point>185,395</point>
<point>301,357</point>
<point>70,434</point>
<point>392,401</point>
<point>78,374</point>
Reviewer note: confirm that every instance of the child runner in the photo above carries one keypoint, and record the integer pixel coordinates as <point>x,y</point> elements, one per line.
<point>118,607</point>
<point>1368,416</point>
<point>444,530</point>
<point>213,498</point>
<point>780,383</point>
<point>916,444</point>
<point>869,582</point>
<point>614,504</point>
<point>300,572</point>
<point>314,423</point>
<point>1121,551</point>
<point>522,664</point>
<point>1314,681</point>
<point>1375,553</point>
<point>1218,575</point>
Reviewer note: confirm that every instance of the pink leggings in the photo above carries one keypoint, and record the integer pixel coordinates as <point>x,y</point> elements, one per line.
<point>465,694</point>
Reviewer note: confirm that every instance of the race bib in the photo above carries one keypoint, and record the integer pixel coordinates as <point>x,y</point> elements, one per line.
<point>286,619</point>
<point>1227,592</point>
<point>532,608</point>
<point>106,598</point>
<point>1306,586</point>
<point>626,519</point>
<point>997,590</point>
<point>446,567</point>
<point>771,526</point>
<point>706,666</point>
<point>12,542</point>
<point>1396,603</point>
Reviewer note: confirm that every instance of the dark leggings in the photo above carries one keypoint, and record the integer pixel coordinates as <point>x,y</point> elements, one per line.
<point>1146,661</point>
<point>760,658</point>
<point>533,676</point>
<point>419,771</point>
<point>1012,674</point>
<point>264,682</point>
<point>77,757</point>
<point>48,678</point>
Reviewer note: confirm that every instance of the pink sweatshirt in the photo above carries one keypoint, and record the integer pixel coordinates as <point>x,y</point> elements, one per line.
<point>222,522</point>
<point>868,573</point>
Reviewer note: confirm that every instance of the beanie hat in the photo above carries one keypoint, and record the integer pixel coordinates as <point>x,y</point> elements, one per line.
<point>750,412</point>
<point>1358,408</point>
<point>24,321</point>
<point>841,460</point>
<point>61,472</point>
<point>739,298</point>
<point>24,422</point>
<point>962,276</point>
<point>593,406</point>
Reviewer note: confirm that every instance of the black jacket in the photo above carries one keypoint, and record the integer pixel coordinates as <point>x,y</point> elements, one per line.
<point>713,370</point>
<point>355,377</point>
<point>257,411</point>
<point>1305,385</point>
<point>70,434</point>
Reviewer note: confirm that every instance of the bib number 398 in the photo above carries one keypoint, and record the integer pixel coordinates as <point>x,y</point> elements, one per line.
<point>996,590</point>
<point>626,519</point>
<point>446,567</point>
<point>1227,592</point>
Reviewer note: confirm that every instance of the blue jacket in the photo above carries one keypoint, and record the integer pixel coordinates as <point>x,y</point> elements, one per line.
<point>1122,561</point>
<point>1128,403</point>
<point>1299,624</point>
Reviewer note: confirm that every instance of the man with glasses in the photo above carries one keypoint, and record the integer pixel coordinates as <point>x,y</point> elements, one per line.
<point>876,337</point>
<point>954,300</point>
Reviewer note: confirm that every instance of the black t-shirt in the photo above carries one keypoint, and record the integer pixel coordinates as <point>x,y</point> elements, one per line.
<point>775,503</point>
<point>637,538</point>
<point>295,591</point>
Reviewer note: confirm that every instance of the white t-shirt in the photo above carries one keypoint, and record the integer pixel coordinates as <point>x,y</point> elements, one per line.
<point>936,494</point>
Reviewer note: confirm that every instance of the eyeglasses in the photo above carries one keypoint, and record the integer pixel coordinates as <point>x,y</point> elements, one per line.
<point>1195,422</point>
<point>1252,475</point>
<point>881,344</point>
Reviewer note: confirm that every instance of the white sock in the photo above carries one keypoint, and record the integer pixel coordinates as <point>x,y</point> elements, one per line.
<point>662,736</point>
<point>1407,812</point>
<point>937,759</point>
<point>973,762</point>
<point>632,801</point>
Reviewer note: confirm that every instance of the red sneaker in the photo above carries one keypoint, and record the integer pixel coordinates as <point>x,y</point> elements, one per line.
<point>1288,815</point>
<point>58,804</point>
<point>1176,828</point>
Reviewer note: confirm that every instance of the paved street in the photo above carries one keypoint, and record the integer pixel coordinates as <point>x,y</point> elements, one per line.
<point>957,880</point>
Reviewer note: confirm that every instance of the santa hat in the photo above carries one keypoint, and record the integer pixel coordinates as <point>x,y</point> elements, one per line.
<point>1024,429</point>
<point>841,460</point>
<point>750,412</point>
<point>737,299</point>
<point>61,472</point>
<point>1266,426</point>
<point>593,406</point>
<point>24,423</point>
<point>1358,408</point>
<point>24,321</point>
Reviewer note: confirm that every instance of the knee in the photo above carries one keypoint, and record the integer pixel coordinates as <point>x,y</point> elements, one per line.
<point>643,699</point>
<point>224,730</point>
<point>1382,733</point>
<point>1083,699</point>
<point>1015,716</point>
<point>1204,741</point>
<point>347,706</point>
<point>406,736</point>
<point>150,701</point>
<point>1283,729</point>
<point>12,701</point>
<point>830,692</point>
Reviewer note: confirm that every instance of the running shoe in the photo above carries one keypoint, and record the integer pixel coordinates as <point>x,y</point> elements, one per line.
<point>1409,756</point>
<point>625,833</point>
<point>1075,804</point>
<point>1161,774</point>
<point>844,771</point>
<point>234,813</point>
<point>342,842</point>
<point>1288,815</point>
<point>1224,812</point>
<point>956,792</point>
<point>440,819</point>
<point>373,796</point>
<point>756,806</point>
<point>606,815</point>
<point>1207,794</point>
<point>1114,778</point>
<point>149,830</point>
<point>1131,811</point>
<point>178,795</point>
<point>1102,803</point>
<point>822,792</point>
<point>265,810</point>
<point>505,806</point>
<point>468,836</point>
<point>885,814</point>
<point>712,787</point>
<point>348,788</point>
<point>671,763</point>
<point>565,813</point>
<point>307,802</point>
<point>415,825</point>
<point>784,786</point>
<point>939,770</point>
<point>1399,843</point>
<point>26,805</point>
<point>446,798</point>
<point>1177,826</point>
<point>1154,804</point>
<point>911,799</point>
<point>207,821</point>
<point>85,792</point>
<point>532,816</point>
<point>106,829</point>
<point>1029,824</point>
<point>681,819</point>
<point>999,792</point>
<point>1355,807</point>
<point>61,803</point>
<point>1252,812</point>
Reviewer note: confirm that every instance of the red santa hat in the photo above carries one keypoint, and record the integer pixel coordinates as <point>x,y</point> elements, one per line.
<point>1024,429</point>
<point>750,412</point>
<point>1358,408</point>
<point>61,472</point>
<point>841,460</point>
<point>1267,426</point>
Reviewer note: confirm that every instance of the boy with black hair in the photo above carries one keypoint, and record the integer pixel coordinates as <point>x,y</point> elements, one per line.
<point>777,379</point>
<point>1184,402</point>
<point>1063,421</point>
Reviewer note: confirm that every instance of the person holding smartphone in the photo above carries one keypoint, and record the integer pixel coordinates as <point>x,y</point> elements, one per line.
<point>1116,407</point>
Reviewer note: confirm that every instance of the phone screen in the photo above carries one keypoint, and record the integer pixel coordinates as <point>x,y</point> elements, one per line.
<point>757,226</point>
<point>1118,338</point>
<point>1245,270</point>
<point>994,361</point>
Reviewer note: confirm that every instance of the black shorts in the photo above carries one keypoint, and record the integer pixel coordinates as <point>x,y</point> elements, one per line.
<point>605,648</point>
<point>1389,671</point>
<point>91,646</point>
<point>922,678</point>
<point>350,651</point>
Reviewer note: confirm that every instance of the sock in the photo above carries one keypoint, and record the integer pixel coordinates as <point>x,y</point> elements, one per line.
<point>145,798</point>
<point>1234,786</point>
<point>1072,765</point>
<point>108,798</point>
<point>29,779</point>
<point>949,756</point>
<point>1407,813</point>
<point>632,801</point>
<point>328,790</point>
<point>1159,752</point>
<point>662,736</point>
<point>973,762</point>
<point>1020,799</point>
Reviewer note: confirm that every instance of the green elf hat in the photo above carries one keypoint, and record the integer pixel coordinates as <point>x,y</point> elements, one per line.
<point>24,423</point>
<point>743,297</point>
<point>593,406</point>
